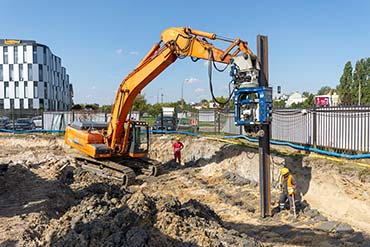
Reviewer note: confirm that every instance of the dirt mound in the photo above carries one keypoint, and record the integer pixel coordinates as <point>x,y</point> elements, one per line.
<point>124,219</point>
<point>210,200</point>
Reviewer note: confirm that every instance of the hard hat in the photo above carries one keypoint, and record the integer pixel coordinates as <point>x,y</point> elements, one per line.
<point>284,171</point>
<point>177,138</point>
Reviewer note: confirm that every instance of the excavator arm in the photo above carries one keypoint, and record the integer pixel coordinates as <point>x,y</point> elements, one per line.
<point>175,42</point>
<point>118,138</point>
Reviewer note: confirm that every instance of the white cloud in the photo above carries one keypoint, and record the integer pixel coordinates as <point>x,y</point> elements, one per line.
<point>119,51</point>
<point>192,80</point>
<point>134,53</point>
<point>199,90</point>
<point>93,88</point>
<point>89,96</point>
<point>202,96</point>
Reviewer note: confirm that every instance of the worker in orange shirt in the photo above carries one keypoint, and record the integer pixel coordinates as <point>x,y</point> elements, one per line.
<point>177,147</point>
<point>287,190</point>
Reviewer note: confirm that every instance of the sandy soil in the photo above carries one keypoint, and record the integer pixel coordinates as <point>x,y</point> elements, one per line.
<point>210,200</point>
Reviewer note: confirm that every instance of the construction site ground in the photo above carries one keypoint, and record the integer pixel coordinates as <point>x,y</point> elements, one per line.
<point>212,199</point>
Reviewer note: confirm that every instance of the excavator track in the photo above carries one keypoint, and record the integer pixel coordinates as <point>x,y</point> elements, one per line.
<point>108,169</point>
<point>154,169</point>
<point>147,166</point>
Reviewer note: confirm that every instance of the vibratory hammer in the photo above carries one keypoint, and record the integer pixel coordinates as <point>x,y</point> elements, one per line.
<point>252,103</point>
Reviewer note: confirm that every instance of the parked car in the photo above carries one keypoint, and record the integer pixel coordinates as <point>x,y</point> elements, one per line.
<point>24,124</point>
<point>169,123</point>
<point>37,122</point>
<point>9,125</point>
<point>3,122</point>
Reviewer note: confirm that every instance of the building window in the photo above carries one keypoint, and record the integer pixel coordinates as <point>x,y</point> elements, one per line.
<point>11,72</point>
<point>1,73</point>
<point>21,72</point>
<point>44,52</point>
<point>25,89</point>
<point>5,51</point>
<point>35,89</point>
<point>16,89</point>
<point>41,74</point>
<point>21,104</point>
<point>47,74</point>
<point>30,104</point>
<point>30,77</point>
<point>41,102</point>
<point>24,54</point>
<point>1,104</point>
<point>6,89</point>
<point>15,54</point>
<point>34,53</point>
<point>45,90</point>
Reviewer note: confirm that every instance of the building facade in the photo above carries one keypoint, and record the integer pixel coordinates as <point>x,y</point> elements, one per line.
<point>32,79</point>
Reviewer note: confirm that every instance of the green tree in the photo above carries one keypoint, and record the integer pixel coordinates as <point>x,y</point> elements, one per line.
<point>306,94</point>
<point>279,103</point>
<point>91,106</point>
<point>324,90</point>
<point>309,102</point>
<point>154,110</point>
<point>344,88</point>
<point>361,76</point>
<point>77,107</point>
<point>106,108</point>
<point>140,104</point>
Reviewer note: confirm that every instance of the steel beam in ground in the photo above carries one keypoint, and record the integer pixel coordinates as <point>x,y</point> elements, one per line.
<point>264,141</point>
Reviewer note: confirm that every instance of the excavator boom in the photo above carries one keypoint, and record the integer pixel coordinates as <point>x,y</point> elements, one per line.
<point>175,42</point>
<point>121,137</point>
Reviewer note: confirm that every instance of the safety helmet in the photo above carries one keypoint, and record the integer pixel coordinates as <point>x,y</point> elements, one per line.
<point>284,171</point>
<point>177,138</point>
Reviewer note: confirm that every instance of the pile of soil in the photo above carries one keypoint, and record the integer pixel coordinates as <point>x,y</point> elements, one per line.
<point>212,199</point>
<point>119,218</point>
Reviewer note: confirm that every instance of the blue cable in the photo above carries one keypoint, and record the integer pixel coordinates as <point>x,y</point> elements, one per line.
<point>31,131</point>
<point>305,148</point>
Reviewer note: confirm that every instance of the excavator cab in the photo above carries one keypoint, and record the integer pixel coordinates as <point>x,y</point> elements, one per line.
<point>138,144</point>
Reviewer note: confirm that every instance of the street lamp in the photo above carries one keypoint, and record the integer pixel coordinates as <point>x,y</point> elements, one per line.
<point>159,89</point>
<point>182,91</point>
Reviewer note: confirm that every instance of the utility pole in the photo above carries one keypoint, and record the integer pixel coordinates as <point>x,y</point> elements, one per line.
<point>264,140</point>
<point>182,94</point>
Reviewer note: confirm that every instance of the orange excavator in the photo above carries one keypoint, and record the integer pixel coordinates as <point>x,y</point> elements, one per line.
<point>122,146</point>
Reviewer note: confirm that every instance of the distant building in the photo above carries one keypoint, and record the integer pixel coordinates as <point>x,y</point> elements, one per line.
<point>32,79</point>
<point>327,100</point>
<point>294,98</point>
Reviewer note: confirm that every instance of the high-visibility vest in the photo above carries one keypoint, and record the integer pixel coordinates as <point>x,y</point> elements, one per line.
<point>290,185</point>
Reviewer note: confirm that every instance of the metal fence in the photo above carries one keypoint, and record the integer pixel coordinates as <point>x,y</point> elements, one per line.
<point>342,127</point>
<point>59,120</point>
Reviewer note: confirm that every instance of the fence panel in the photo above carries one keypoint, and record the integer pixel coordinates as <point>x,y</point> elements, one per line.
<point>343,127</point>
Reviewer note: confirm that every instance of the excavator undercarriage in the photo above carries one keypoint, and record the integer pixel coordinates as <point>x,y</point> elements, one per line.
<point>88,137</point>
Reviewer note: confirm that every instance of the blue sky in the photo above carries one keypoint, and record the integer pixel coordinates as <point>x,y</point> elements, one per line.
<point>100,42</point>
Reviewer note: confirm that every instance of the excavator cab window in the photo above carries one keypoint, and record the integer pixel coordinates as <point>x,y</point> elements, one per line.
<point>139,144</point>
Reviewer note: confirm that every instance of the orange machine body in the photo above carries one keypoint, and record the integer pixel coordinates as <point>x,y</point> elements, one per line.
<point>174,42</point>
